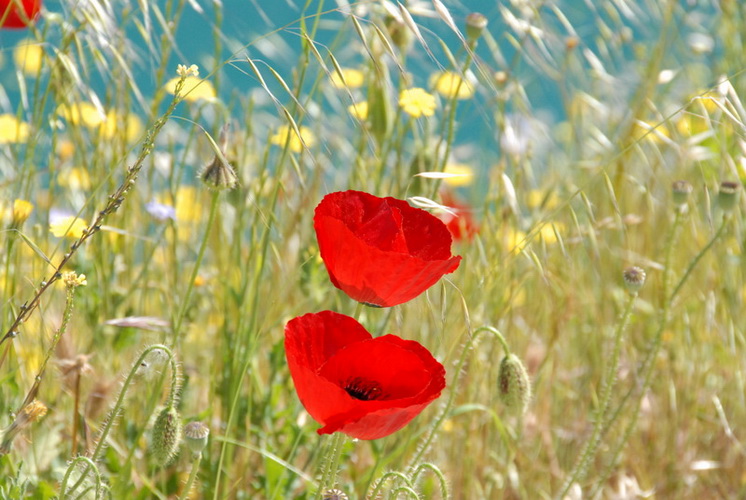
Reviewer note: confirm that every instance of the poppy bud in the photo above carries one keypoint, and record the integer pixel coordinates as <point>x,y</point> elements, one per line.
<point>634,278</point>
<point>334,494</point>
<point>399,33</point>
<point>195,436</point>
<point>166,436</point>
<point>728,196</point>
<point>219,174</point>
<point>475,25</point>
<point>513,383</point>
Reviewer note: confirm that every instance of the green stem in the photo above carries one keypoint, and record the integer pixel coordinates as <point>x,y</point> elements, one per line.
<point>192,476</point>
<point>438,474</point>
<point>452,395</point>
<point>116,410</point>
<point>591,446</point>
<point>331,465</point>
<point>394,475</point>
<point>190,286</point>
<point>649,362</point>
<point>90,465</point>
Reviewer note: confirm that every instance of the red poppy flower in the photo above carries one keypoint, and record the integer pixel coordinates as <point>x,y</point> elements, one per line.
<point>461,222</point>
<point>11,17</point>
<point>381,251</point>
<point>353,383</point>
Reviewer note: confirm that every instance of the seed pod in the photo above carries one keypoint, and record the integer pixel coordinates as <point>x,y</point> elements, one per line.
<point>195,436</point>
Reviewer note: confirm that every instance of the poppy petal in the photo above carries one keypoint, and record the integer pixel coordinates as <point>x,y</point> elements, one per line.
<point>350,382</point>
<point>381,251</point>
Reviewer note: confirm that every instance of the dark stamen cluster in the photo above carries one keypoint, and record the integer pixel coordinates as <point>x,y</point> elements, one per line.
<point>364,390</point>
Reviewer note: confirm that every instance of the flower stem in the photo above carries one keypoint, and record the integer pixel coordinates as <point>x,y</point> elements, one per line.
<point>190,285</point>
<point>649,361</point>
<point>591,446</point>
<point>331,464</point>
<point>116,410</point>
<point>452,395</point>
<point>192,476</point>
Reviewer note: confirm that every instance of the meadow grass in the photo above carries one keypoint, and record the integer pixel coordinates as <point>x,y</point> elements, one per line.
<point>637,375</point>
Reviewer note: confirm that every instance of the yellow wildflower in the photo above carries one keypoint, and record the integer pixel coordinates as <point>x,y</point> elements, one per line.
<point>127,125</point>
<point>28,55</point>
<point>350,78</point>
<point>75,178</point>
<point>12,130</point>
<point>295,144</point>
<point>184,70</point>
<point>359,110</point>
<point>68,227</point>
<point>450,84</point>
<point>649,131</point>
<point>540,199</point>
<point>65,149</point>
<point>195,89</point>
<point>72,279</point>
<point>81,113</point>
<point>417,102</point>
<point>464,174</point>
<point>513,240</point>
<point>21,211</point>
<point>548,232</point>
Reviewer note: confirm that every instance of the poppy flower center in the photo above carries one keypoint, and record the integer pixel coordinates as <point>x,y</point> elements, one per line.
<point>364,390</point>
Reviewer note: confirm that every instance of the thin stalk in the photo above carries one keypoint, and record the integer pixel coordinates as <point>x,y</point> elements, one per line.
<point>116,410</point>
<point>452,395</point>
<point>195,270</point>
<point>649,362</point>
<point>331,464</point>
<point>438,474</point>
<point>591,446</point>
<point>192,476</point>
<point>394,475</point>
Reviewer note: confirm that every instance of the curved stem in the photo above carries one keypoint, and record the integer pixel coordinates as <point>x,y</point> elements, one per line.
<point>434,428</point>
<point>90,465</point>
<point>393,474</point>
<point>119,403</point>
<point>438,473</point>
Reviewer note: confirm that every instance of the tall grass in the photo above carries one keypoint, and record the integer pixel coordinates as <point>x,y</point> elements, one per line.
<point>574,124</point>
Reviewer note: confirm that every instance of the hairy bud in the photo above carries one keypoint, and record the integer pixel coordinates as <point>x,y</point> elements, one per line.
<point>166,436</point>
<point>513,384</point>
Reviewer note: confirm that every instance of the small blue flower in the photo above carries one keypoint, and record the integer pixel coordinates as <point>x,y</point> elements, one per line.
<point>161,212</point>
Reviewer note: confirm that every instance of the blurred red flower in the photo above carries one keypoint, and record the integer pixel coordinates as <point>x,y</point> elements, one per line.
<point>460,223</point>
<point>353,383</point>
<point>381,251</point>
<point>11,17</point>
